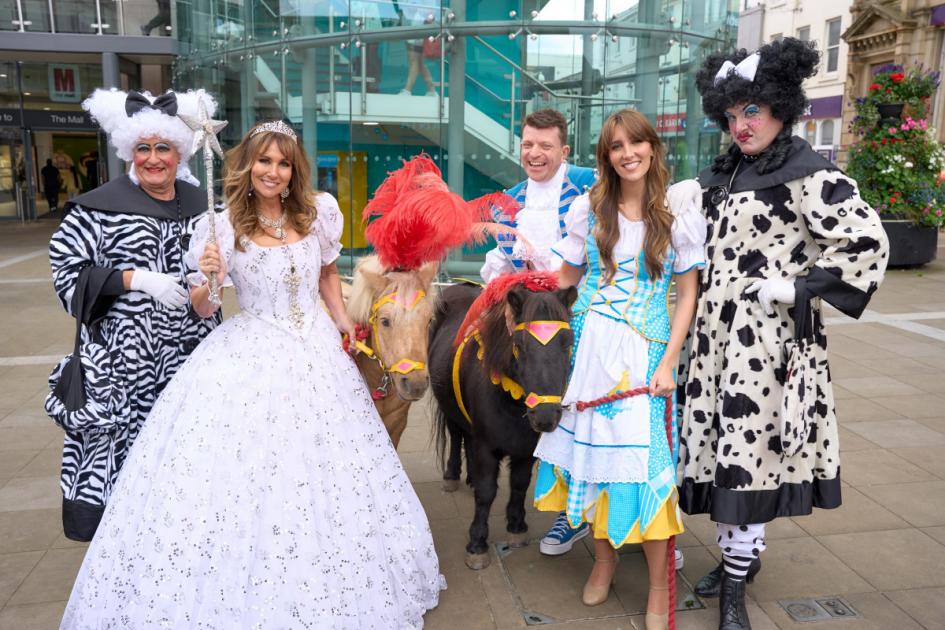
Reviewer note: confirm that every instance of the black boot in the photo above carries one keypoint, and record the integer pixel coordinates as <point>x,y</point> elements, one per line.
<point>709,585</point>
<point>732,613</point>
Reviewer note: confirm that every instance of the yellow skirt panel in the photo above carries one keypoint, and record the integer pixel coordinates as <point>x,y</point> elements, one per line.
<point>665,524</point>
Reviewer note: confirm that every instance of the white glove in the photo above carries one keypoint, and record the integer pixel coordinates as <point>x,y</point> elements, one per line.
<point>162,287</point>
<point>682,194</point>
<point>771,290</point>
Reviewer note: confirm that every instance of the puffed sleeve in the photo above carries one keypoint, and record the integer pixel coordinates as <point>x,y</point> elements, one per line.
<point>329,224</point>
<point>688,236</point>
<point>495,265</point>
<point>854,248</point>
<point>572,248</point>
<point>198,242</point>
<point>76,246</point>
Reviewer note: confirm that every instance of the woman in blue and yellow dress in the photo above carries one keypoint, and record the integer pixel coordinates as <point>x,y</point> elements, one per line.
<point>612,465</point>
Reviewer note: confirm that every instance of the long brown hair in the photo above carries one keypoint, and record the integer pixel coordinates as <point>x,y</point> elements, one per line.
<point>237,183</point>
<point>605,195</point>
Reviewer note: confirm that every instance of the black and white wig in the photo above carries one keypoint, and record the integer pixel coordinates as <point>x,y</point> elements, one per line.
<point>773,78</point>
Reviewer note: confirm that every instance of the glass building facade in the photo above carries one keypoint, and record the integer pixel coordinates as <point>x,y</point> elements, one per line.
<point>369,82</point>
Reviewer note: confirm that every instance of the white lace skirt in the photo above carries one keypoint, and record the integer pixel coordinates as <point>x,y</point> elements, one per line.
<point>263,492</point>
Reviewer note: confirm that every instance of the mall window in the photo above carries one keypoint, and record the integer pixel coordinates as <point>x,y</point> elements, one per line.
<point>803,34</point>
<point>833,44</point>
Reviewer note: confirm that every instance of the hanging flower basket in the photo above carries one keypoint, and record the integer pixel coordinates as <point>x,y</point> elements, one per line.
<point>898,163</point>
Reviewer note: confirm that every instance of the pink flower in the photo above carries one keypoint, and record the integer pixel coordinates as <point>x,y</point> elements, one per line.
<point>938,213</point>
<point>892,131</point>
<point>904,126</point>
<point>924,124</point>
<point>925,210</point>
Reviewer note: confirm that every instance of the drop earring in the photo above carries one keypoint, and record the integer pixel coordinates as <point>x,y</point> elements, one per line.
<point>250,193</point>
<point>284,194</point>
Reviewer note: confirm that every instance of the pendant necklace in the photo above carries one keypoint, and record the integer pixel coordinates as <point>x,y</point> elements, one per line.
<point>276,225</point>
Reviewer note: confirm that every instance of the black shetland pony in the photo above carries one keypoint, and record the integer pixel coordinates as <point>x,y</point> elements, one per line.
<point>504,387</point>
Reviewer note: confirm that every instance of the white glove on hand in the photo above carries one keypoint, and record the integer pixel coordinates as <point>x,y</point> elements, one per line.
<point>771,290</point>
<point>162,287</point>
<point>681,194</point>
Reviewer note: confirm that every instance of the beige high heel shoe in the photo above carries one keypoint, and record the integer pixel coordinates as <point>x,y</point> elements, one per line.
<point>594,595</point>
<point>655,621</point>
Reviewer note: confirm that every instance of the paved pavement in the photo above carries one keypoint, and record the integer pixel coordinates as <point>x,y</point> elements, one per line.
<point>883,552</point>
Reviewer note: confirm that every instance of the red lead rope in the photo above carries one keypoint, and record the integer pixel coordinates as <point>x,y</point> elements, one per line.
<point>671,543</point>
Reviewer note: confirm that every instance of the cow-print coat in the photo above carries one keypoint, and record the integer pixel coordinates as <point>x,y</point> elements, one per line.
<point>803,221</point>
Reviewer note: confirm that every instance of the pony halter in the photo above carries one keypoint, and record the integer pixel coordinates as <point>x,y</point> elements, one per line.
<point>403,365</point>
<point>543,331</point>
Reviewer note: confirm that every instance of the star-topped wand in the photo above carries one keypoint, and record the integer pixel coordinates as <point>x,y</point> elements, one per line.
<point>205,138</point>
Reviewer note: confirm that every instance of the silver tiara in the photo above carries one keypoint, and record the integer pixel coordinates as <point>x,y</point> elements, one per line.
<point>275,126</point>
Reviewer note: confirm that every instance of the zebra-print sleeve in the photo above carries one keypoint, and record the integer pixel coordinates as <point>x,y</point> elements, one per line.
<point>75,246</point>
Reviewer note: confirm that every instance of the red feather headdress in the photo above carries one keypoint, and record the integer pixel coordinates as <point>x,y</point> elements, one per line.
<point>414,218</point>
<point>495,292</point>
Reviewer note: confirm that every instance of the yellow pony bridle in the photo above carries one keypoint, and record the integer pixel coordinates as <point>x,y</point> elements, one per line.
<point>403,365</point>
<point>543,331</point>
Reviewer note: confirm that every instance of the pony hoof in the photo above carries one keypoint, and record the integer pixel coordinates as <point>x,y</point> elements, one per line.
<point>517,541</point>
<point>477,561</point>
<point>450,485</point>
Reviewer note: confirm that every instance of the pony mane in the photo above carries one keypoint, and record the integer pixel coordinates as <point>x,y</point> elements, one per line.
<point>414,218</point>
<point>496,292</point>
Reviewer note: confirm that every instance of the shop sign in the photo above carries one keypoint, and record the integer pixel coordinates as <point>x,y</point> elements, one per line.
<point>40,119</point>
<point>9,118</point>
<point>669,123</point>
<point>64,83</point>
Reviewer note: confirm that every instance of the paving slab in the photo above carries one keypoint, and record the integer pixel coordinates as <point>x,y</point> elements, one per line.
<point>890,560</point>
<point>45,616</point>
<point>30,493</point>
<point>922,504</point>
<point>874,466</point>
<point>803,567</point>
<point>895,433</point>
<point>925,605</point>
<point>51,579</point>
<point>859,513</point>
<point>29,530</point>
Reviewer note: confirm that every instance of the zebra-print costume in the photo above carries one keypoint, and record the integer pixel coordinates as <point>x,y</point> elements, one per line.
<point>113,228</point>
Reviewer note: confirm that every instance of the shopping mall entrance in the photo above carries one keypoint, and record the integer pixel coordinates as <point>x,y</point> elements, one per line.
<point>44,163</point>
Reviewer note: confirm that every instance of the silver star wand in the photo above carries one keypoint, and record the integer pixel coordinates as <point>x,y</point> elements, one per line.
<point>205,138</point>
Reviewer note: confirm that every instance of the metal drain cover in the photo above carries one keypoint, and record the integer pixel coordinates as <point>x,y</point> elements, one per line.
<point>823,609</point>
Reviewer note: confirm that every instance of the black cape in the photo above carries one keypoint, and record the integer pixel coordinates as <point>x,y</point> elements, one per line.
<point>123,196</point>
<point>801,162</point>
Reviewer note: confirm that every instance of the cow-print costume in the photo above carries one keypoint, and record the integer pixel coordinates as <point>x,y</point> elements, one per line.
<point>804,220</point>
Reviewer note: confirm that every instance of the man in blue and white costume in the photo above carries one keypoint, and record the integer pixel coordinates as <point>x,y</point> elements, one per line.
<point>544,199</point>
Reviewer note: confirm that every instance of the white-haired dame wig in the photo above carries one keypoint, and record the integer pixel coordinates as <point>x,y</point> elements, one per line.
<point>107,107</point>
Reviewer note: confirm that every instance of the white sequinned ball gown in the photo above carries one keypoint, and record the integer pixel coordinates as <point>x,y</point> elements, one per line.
<point>263,491</point>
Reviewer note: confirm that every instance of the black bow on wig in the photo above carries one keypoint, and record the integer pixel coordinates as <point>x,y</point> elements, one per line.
<point>136,101</point>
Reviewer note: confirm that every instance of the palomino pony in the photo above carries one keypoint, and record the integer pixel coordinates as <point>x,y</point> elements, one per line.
<point>501,385</point>
<point>394,308</point>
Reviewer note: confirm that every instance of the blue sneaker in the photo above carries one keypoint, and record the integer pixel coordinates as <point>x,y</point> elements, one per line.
<point>561,537</point>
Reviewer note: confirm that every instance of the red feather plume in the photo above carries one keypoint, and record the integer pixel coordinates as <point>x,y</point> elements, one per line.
<point>498,289</point>
<point>414,218</point>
